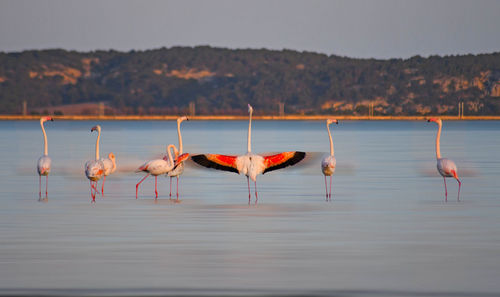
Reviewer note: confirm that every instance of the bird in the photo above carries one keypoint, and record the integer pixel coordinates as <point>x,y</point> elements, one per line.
<point>328,163</point>
<point>179,169</point>
<point>109,167</point>
<point>445,167</point>
<point>44,162</point>
<point>94,169</point>
<point>249,164</point>
<point>158,167</point>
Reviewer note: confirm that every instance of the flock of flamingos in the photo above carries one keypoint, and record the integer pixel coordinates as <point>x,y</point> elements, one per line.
<point>249,164</point>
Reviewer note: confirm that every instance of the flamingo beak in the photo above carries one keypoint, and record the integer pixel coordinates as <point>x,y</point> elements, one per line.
<point>93,129</point>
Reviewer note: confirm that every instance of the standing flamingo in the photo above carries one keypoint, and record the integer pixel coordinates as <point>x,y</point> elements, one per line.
<point>94,169</point>
<point>445,167</point>
<point>44,162</point>
<point>179,169</point>
<point>109,167</point>
<point>159,166</point>
<point>328,163</point>
<point>249,164</point>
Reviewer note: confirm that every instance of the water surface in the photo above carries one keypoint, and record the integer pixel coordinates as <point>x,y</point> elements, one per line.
<point>386,232</point>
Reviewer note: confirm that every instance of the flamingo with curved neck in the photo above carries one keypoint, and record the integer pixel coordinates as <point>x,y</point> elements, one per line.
<point>157,167</point>
<point>445,167</point>
<point>94,169</point>
<point>44,162</point>
<point>329,162</point>
<point>109,168</point>
<point>179,169</point>
<point>249,164</point>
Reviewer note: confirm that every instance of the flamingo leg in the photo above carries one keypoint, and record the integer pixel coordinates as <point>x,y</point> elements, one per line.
<point>249,195</point>
<point>177,188</point>
<point>330,194</point>
<point>445,190</point>
<point>92,191</point>
<point>39,186</point>
<point>459,185</point>
<point>170,195</point>
<point>156,188</point>
<point>137,186</point>
<point>103,181</point>
<point>94,186</point>
<point>326,189</point>
<point>46,185</point>
<point>256,197</point>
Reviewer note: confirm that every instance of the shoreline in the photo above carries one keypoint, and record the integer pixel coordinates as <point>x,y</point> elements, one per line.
<point>245,117</point>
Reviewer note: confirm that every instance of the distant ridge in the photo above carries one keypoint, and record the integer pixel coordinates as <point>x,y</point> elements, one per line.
<point>205,80</point>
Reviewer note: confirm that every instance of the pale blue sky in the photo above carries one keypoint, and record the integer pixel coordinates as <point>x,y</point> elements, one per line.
<point>354,28</point>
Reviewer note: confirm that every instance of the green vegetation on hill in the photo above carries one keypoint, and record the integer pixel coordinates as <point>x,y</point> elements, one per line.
<point>223,81</point>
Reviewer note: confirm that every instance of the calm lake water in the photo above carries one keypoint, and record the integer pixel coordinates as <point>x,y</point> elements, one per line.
<point>386,232</point>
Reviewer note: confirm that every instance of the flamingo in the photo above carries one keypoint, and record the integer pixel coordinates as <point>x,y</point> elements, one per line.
<point>109,167</point>
<point>94,169</point>
<point>44,162</point>
<point>179,169</point>
<point>328,163</point>
<point>249,164</point>
<point>158,167</point>
<point>445,167</point>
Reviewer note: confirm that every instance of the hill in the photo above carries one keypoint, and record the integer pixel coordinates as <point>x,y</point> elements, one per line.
<point>223,81</point>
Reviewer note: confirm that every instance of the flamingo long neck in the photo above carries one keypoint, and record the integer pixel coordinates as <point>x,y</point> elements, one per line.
<point>170,158</point>
<point>97,144</point>
<point>250,133</point>
<point>438,137</point>
<point>331,141</point>
<point>180,137</point>
<point>45,145</point>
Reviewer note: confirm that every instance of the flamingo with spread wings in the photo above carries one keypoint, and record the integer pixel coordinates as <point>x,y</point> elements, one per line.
<point>445,167</point>
<point>44,162</point>
<point>249,164</point>
<point>329,162</point>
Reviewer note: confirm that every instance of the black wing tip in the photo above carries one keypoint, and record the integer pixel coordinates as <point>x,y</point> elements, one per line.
<point>296,158</point>
<point>205,162</point>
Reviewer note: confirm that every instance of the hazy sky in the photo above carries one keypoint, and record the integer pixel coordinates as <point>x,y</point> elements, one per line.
<point>354,28</point>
